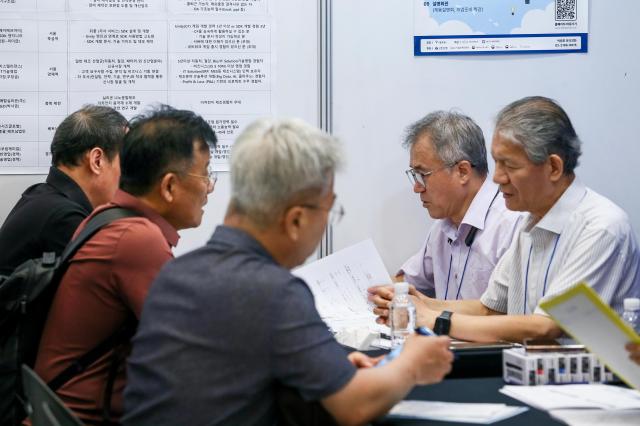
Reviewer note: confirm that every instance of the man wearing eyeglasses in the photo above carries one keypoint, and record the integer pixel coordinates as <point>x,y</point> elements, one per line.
<point>570,234</point>
<point>165,180</point>
<point>226,326</point>
<point>472,227</point>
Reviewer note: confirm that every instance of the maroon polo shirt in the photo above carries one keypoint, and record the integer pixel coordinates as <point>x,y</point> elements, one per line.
<point>108,278</point>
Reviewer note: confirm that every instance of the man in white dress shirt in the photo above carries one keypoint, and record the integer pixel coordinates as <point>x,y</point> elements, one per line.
<point>472,227</point>
<point>571,234</point>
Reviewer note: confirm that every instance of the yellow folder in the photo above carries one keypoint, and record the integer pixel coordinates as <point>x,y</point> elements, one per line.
<point>584,316</point>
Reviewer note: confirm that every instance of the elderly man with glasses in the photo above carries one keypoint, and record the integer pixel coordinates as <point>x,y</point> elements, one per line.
<point>570,234</point>
<point>472,227</point>
<point>226,326</point>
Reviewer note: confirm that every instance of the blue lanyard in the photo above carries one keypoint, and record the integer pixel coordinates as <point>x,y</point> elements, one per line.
<point>464,269</point>
<point>468,242</point>
<point>546,275</point>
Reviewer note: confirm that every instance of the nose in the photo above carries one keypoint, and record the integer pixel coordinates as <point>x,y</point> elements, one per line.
<point>499,176</point>
<point>418,188</point>
<point>210,186</point>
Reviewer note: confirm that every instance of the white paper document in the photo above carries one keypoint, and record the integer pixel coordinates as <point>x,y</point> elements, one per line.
<point>339,285</point>
<point>554,397</point>
<point>455,411</point>
<point>598,417</point>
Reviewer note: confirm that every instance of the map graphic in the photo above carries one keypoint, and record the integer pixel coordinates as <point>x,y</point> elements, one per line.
<point>450,27</point>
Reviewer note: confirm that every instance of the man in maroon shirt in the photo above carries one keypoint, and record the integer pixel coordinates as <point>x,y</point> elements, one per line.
<point>165,179</point>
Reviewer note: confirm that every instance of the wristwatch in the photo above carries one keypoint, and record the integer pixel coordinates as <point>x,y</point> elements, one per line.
<point>443,323</point>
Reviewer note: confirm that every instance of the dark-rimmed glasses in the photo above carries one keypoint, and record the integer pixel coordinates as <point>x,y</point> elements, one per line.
<point>420,178</point>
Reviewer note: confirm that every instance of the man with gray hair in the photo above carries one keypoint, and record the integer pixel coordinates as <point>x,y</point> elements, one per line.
<point>570,235</point>
<point>472,227</point>
<point>226,325</point>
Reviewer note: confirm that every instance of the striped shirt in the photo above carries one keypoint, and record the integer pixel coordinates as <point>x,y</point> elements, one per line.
<point>583,237</point>
<point>446,267</point>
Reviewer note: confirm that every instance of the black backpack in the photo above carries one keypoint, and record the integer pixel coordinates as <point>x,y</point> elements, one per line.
<point>25,298</point>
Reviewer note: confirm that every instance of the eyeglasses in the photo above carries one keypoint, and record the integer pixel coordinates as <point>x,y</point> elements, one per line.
<point>211,176</point>
<point>420,178</point>
<point>336,212</point>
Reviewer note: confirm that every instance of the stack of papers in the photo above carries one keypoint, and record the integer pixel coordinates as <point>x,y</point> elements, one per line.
<point>554,397</point>
<point>582,405</point>
<point>454,411</point>
<point>597,417</point>
<point>339,285</point>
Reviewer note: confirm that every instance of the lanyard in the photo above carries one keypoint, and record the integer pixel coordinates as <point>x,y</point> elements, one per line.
<point>464,269</point>
<point>546,275</point>
<point>468,241</point>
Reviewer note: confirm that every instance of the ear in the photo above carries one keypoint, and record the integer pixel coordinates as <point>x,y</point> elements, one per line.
<point>464,171</point>
<point>96,159</point>
<point>292,222</point>
<point>556,166</point>
<point>168,187</point>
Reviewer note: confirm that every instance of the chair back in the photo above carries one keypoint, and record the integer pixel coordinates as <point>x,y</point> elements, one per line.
<point>44,406</point>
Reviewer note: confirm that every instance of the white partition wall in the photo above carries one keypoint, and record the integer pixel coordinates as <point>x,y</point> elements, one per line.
<point>379,87</point>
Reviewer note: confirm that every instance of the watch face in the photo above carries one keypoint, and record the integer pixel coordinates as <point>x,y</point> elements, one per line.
<point>443,323</point>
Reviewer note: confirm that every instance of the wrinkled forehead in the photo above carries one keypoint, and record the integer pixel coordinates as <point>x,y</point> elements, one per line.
<point>504,148</point>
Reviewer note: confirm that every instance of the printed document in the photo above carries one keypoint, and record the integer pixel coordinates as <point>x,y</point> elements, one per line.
<point>339,285</point>
<point>455,411</point>
<point>555,397</point>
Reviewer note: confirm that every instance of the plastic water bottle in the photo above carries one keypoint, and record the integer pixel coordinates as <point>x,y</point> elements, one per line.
<point>402,315</point>
<point>631,314</point>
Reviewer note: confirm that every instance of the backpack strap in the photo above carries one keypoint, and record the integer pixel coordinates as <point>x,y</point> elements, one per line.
<point>93,226</point>
<point>122,335</point>
<point>126,331</point>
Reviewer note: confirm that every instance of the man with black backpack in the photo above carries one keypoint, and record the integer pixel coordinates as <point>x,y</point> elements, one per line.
<point>84,174</point>
<point>166,178</point>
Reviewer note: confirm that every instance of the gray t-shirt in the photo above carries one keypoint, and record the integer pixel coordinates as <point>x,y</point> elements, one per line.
<point>221,328</point>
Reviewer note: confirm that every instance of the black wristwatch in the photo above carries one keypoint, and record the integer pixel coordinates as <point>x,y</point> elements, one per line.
<point>443,323</point>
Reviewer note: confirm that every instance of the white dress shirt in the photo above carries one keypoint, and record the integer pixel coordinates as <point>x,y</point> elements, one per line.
<point>583,237</point>
<point>445,267</point>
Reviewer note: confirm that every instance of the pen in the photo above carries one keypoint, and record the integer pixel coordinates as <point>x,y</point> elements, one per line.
<point>425,331</point>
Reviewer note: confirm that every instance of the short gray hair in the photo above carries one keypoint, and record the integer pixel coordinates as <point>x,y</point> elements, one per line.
<point>455,137</point>
<point>274,162</point>
<point>542,128</point>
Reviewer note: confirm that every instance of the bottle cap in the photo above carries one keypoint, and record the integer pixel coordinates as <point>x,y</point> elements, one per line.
<point>401,288</point>
<point>631,304</point>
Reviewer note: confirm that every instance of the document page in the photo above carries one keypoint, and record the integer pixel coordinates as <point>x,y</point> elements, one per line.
<point>455,411</point>
<point>555,397</point>
<point>582,314</point>
<point>339,285</point>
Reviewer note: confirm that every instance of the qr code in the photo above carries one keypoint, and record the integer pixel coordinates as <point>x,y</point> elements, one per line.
<point>566,10</point>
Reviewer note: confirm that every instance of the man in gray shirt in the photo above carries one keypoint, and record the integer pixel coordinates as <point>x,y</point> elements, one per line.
<point>226,325</point>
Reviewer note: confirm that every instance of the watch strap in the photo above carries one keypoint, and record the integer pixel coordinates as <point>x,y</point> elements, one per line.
<point>443,323</point>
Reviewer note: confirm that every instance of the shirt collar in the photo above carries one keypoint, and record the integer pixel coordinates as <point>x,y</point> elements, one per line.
<point>238,238</point>
<point>68,187</point>
<point>558,216</point>
<point>477,212</point>
<point>125,200</point>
